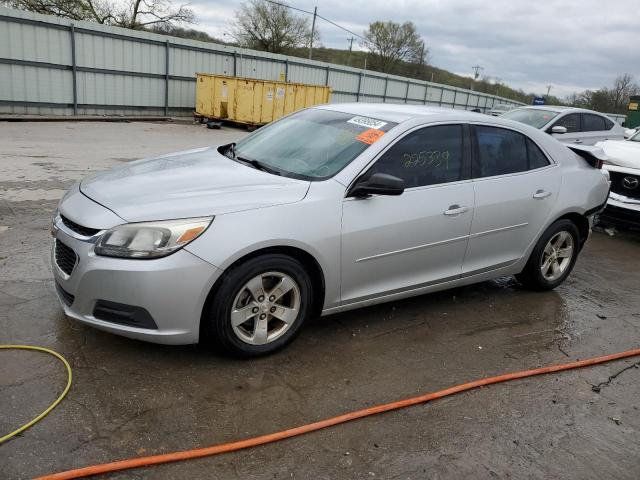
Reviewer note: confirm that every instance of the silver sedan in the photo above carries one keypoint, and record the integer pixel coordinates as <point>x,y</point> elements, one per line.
<point>326,210</point>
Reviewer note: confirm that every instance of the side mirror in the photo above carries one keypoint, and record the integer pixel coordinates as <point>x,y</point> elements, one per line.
<point>377,184</point>
<point>559,129</point>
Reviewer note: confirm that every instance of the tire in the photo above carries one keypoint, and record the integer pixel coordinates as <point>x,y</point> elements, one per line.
<point>238,296</point>
<point>556,239</point>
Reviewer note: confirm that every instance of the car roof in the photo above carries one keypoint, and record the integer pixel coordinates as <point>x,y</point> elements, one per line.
<point>399,113</point>
<point>558,109</point>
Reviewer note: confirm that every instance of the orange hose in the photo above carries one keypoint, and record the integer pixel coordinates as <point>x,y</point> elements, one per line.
<point>329,422</point>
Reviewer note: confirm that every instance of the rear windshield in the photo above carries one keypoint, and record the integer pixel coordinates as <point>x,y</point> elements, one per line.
<point>537,118</point>
<point>312,144</point>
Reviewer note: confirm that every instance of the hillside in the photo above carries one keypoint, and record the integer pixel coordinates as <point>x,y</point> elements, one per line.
<point>356,59</point>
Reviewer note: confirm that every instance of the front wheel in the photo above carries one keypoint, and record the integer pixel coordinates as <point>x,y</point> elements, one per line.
<point>259,306</point>
<point>553,257</point>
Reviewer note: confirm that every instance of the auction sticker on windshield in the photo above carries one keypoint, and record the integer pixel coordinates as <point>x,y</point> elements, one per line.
<point>367,122</point>
<point>370,136</point>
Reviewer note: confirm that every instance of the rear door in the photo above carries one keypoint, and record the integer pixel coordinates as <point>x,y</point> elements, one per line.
<point>515,187</point>
<point>392,244</point>
<point>594,128</point>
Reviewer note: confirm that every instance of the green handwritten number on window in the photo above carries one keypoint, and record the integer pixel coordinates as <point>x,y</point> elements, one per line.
<point>434,159</point>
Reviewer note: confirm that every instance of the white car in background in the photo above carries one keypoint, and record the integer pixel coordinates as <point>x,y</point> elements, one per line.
<point>569,124</point>
<point>499,109</point>
<point>630,132</point>
<point>623,165</point>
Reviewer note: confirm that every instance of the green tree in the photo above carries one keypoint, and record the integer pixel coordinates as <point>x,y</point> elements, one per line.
<point>392,43</point>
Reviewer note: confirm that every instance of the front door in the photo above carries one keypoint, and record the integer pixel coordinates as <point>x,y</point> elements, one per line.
<point>572,123</point>
<point>396,243</point>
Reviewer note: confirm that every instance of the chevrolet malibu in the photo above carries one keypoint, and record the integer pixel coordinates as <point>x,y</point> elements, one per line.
<point>329,209</point>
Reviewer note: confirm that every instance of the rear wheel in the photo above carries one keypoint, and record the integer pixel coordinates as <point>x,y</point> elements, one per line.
<point>553,257</point>
<point>259,306</point>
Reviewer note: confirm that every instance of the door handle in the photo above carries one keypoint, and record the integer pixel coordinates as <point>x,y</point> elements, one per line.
<point>577,141</point>
<point>455,210</point>
<point>541,195</point>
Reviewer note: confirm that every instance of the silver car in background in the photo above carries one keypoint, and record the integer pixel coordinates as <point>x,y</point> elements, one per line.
<point>569,124</point>
<point>329,209</point>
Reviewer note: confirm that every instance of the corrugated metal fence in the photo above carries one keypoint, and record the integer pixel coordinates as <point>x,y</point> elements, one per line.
<point>51,66</point>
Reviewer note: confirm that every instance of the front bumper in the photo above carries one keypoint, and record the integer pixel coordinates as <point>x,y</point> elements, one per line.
<point>171,289</point>
<point>621,210</point>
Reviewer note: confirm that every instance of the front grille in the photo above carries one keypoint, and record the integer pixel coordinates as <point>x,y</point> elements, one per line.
<point>65,296</point>
<point>79,229</point>
<point>625,184</point>
<point>66,258</point>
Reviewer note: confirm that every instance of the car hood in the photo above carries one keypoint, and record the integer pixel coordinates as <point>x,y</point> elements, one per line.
<point>622,152</point>
<point>193,183</point>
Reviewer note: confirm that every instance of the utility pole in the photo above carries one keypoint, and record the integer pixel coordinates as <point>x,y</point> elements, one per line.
<point>313,30</point>
<point>350,47</point>
<point>548,90</point>
<point>476,73</point>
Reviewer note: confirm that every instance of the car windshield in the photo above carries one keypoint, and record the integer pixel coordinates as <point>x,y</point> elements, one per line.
<point>313,144</point>
<point>635,137</point>
<point>531,116</point>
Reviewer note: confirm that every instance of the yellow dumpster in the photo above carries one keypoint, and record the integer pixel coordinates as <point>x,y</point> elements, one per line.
<point>253,102</point>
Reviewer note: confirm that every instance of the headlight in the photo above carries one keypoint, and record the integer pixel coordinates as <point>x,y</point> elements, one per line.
<point>150,239</point>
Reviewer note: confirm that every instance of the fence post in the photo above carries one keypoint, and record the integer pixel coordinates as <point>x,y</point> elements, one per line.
<point>384,95</point>
<point>455,96</point>
<point>286,70</point>
<point>326,80</point>
<point>406,93</point>
<point>166,78</point>
<point>74,69</point>
<point>426,91</point>
<point>359,85</point>
<point>441,96</point>
<point>235,64</point>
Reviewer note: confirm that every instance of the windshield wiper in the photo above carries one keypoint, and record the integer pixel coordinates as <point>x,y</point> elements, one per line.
<point>257,164</point>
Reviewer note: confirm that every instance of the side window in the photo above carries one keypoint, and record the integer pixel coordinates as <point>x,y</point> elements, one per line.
<point>427,156</point>
<point>592,123</point>
<point>537,159</point>
<point>571,122</point>
<point>608,123</point>
<point>499,151</point>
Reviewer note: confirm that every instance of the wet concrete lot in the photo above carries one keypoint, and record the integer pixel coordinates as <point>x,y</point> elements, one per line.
<point>131,398</point>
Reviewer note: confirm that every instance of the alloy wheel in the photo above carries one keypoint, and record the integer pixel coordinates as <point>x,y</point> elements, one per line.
<point>265,308</point>
<point>557,256</point>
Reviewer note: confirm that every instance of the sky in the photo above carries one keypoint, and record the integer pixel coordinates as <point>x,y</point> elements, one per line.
<point>572,45</point>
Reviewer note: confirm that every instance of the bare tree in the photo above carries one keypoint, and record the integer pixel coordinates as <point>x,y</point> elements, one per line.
<point>608,100</point>
<point>271,27</point>
<point>392,43</point>
<point>136,14</point>
<point>623,88</point>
